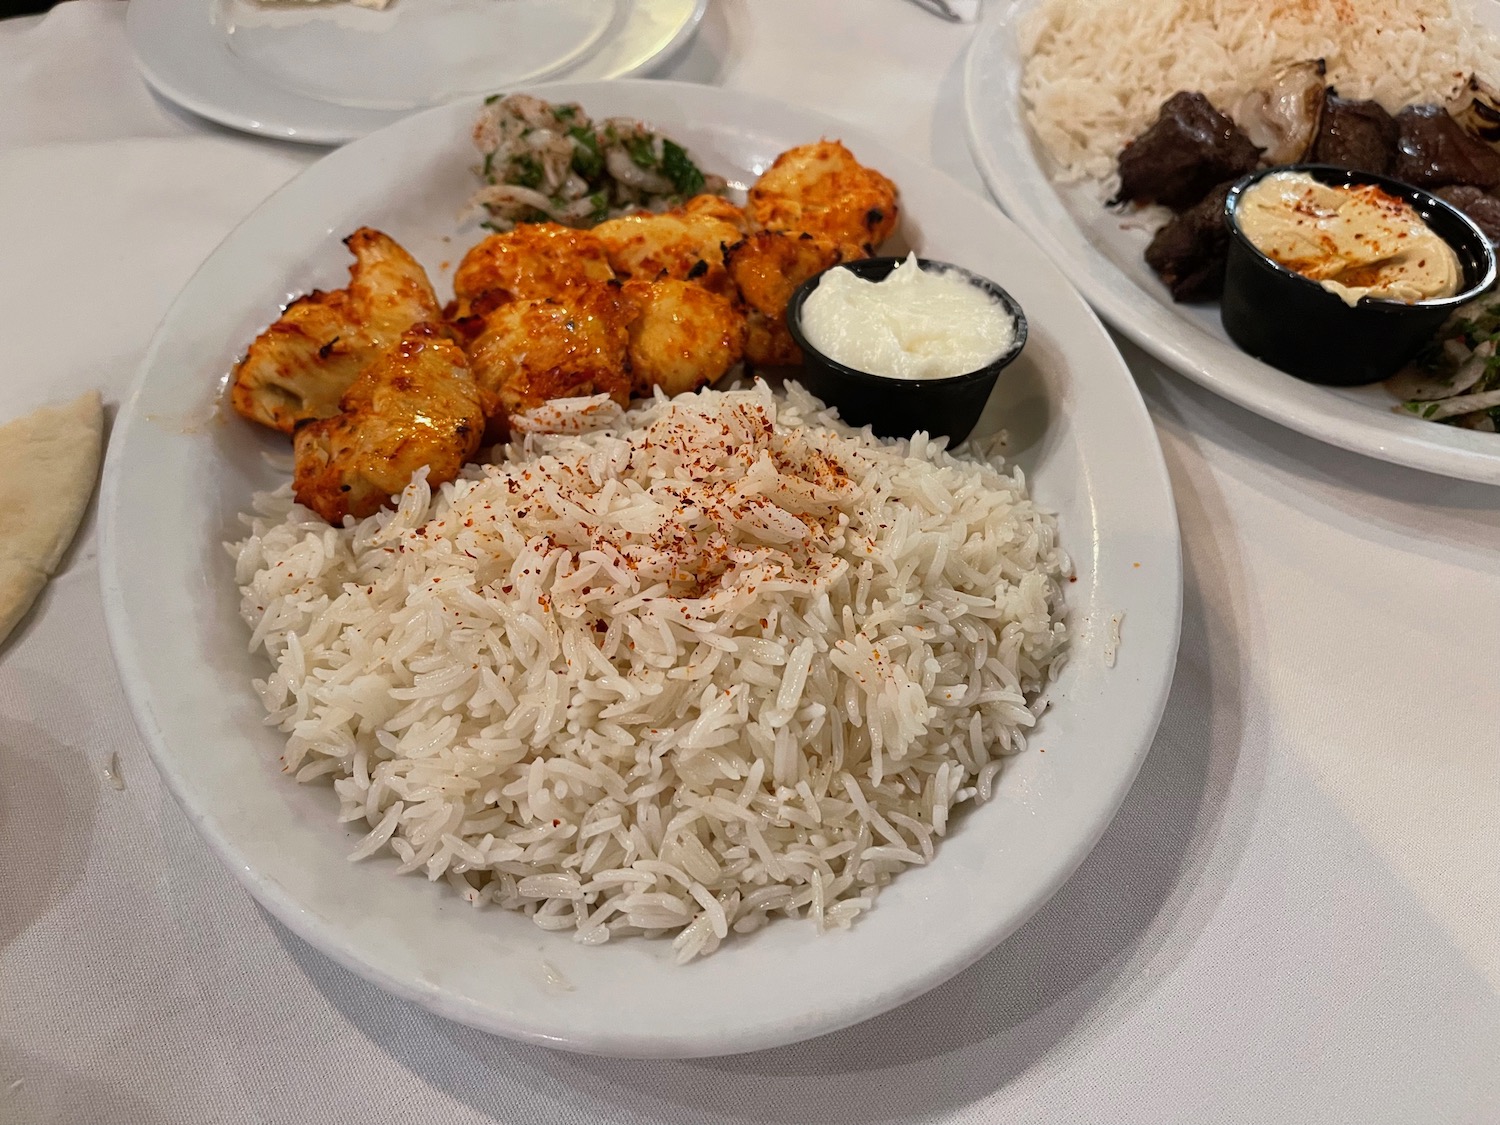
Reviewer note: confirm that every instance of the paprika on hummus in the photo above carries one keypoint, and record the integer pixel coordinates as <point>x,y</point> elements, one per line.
<point>1356,241</point>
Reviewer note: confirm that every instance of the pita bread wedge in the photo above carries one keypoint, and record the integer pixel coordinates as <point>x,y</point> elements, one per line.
<point>48,463</point>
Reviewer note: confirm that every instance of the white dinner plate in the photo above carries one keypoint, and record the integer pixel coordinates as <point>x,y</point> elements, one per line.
<point>179,472</point>
<point>325,73</point>
<point>1101,253</point>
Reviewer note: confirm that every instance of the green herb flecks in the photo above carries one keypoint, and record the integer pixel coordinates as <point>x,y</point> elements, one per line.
<point>526,170</point>
<point>642,151</point>
<point>680,169</point>
<point>588,158</point>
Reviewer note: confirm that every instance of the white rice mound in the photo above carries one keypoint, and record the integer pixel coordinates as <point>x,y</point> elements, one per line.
<point>680,670</point>
<point>1097,72</point>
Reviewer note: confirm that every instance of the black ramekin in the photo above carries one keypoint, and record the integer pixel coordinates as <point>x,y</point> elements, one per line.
<point>1294,324</point>
<point>901,407</point>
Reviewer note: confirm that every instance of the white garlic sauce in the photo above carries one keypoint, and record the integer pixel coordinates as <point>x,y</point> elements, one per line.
<point>912,324</point>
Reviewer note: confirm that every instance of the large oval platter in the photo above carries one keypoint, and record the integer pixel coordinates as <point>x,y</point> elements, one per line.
<point>1101,253</point>
<point>179,473</point>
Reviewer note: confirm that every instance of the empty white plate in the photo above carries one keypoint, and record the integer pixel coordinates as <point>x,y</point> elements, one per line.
<point>325,73</point>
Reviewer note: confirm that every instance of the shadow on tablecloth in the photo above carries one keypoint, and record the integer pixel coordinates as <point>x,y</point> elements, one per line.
<point>49,796</point>
<point>1439,517</point>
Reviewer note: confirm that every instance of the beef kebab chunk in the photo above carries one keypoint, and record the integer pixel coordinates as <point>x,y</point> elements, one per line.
<point>1476,203</point>
<point>1356,134</point>
<point>1189,253</point>
<point>1433,151</point>
<point>1190,148</point>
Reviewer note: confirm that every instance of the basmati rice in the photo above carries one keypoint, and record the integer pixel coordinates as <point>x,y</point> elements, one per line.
<point>675,670</point>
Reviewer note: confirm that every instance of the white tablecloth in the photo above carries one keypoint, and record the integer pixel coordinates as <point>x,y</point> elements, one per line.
<point>1293,918</point>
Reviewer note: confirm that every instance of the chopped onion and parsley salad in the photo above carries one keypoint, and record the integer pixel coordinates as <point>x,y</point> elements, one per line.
<point>545,162</point>
<point>1456,379</point>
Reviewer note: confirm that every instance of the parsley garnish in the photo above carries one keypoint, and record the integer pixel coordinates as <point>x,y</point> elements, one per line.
<point>588,161</point>
<point>642,151</point>
<point>526,170</point>
<point>680,169</point>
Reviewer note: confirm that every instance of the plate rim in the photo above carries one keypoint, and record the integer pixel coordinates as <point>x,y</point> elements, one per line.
<point>324,936</point>
<point>327,123</point>
<point>1008,164</point>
